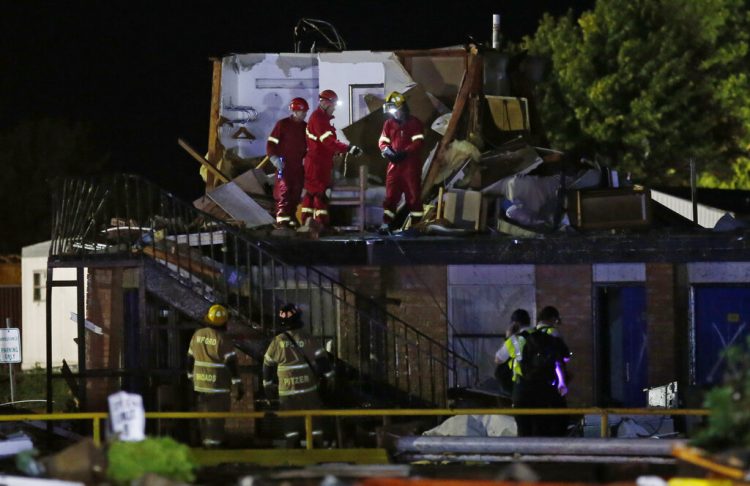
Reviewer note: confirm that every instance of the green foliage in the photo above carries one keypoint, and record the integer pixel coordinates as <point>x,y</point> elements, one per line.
<point>34,153</point>
<point>160,455</point>
<point>651,83</point>
<point>729,405</point>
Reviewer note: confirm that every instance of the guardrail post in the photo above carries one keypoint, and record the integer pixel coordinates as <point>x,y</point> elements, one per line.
<point>308,431</point>
<point>604,424</point>
<point>97,431</point>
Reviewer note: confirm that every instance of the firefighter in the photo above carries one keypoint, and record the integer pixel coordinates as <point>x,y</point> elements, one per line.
<point>213,365</point>
<point>400,143</point>
<point>286,148</point>
<point>322,145</point>
<point>293,367</point>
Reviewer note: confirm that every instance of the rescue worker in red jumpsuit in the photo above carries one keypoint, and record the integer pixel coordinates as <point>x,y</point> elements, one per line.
<point>322,145</point>
<point>286,147</point>
<point>401,142</point>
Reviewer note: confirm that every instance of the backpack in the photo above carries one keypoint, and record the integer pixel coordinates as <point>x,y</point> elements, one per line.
<point>540,353</point>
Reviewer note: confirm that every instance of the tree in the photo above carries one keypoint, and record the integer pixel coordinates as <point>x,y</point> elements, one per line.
<point>650,84</point>
<point>34,154</point>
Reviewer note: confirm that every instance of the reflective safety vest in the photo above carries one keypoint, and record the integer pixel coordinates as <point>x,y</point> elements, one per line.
<point>514,345</point>
<point>293,361</point>
<point>211,351</point>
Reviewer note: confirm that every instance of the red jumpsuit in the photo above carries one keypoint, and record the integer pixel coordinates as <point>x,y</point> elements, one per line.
<point>405,176</point>
<point>322,145</point>
<point>287,140</point>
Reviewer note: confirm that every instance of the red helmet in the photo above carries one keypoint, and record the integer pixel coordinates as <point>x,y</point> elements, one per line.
<point>298,104</point>
<point>329,95</point>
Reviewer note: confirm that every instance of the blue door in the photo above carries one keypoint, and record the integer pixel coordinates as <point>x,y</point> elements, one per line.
<point>623,345</point>
<point>722,318</point>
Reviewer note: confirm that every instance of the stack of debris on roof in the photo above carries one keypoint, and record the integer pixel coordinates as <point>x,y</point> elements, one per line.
<point>482,173</point>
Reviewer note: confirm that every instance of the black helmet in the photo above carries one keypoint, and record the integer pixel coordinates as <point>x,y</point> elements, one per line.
<point>549,313</point>
<point>520,316</point>
<point>290,316</point>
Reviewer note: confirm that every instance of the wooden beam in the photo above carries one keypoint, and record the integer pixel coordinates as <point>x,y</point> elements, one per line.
<point>469,85</point>
<point>212,169</point>
<point>213,121</point>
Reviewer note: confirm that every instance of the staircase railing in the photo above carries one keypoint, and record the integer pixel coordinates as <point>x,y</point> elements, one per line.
<point>127,215</point>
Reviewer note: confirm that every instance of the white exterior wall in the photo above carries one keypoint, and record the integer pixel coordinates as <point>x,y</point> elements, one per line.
<point>64,301</point>
<point>268,82</point>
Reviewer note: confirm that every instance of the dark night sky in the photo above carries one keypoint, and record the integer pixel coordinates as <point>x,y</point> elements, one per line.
<point>139,71</point>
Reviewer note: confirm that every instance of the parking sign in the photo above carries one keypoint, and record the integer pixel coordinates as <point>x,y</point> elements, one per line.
<point>10,345</point>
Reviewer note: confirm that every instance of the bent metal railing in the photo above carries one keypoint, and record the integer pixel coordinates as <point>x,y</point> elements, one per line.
<point>127,215</point>
<point>604,414</point>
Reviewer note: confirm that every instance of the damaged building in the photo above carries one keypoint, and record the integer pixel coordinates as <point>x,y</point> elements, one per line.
<point>648,297</point>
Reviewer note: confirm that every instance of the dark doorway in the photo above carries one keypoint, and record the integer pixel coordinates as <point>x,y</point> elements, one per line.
<point>622,345</point>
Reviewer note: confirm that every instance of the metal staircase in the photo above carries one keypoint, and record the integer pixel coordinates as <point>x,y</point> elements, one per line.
<point>128,217</point>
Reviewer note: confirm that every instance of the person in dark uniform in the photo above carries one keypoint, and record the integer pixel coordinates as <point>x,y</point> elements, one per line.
<point>213,365</point>
<point>538,389</point>
<point>292,368</point>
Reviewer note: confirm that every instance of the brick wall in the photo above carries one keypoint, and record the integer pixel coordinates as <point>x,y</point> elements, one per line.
<point>104,307</point>
<point>422,291</point>
<point>660,305</point>
<point>568,288</point>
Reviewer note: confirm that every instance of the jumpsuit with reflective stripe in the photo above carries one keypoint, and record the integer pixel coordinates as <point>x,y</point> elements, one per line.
<point>322,145</point>
<point>405,176</point>
<point>287,140</point>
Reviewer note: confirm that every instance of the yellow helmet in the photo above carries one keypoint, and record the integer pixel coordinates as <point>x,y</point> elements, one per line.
<point>217,315</point>
<point>395,101</point>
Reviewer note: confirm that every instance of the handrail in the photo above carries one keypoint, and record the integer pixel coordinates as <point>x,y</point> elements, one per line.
<point>127,214</point>
<point>604,413</point>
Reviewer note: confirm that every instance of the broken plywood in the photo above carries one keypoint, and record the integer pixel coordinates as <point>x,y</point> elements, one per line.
<point>239,206</point>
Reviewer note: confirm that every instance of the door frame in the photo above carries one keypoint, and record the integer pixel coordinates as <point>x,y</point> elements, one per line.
<point>598,346</point>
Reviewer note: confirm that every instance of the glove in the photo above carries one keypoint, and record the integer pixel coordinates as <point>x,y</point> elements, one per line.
<point>240,392</point>
<point>388,153</point>
<point>277,162</point>
<point>398,157</point>
<point>328,193</point>
<point>354,150</point>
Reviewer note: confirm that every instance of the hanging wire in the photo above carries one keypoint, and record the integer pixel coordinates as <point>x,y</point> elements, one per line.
<point>307,27</point>
<point>250,112</point>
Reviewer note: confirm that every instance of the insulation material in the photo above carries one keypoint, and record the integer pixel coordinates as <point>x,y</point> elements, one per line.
<point>476,426</point>
<point>455,157</point>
